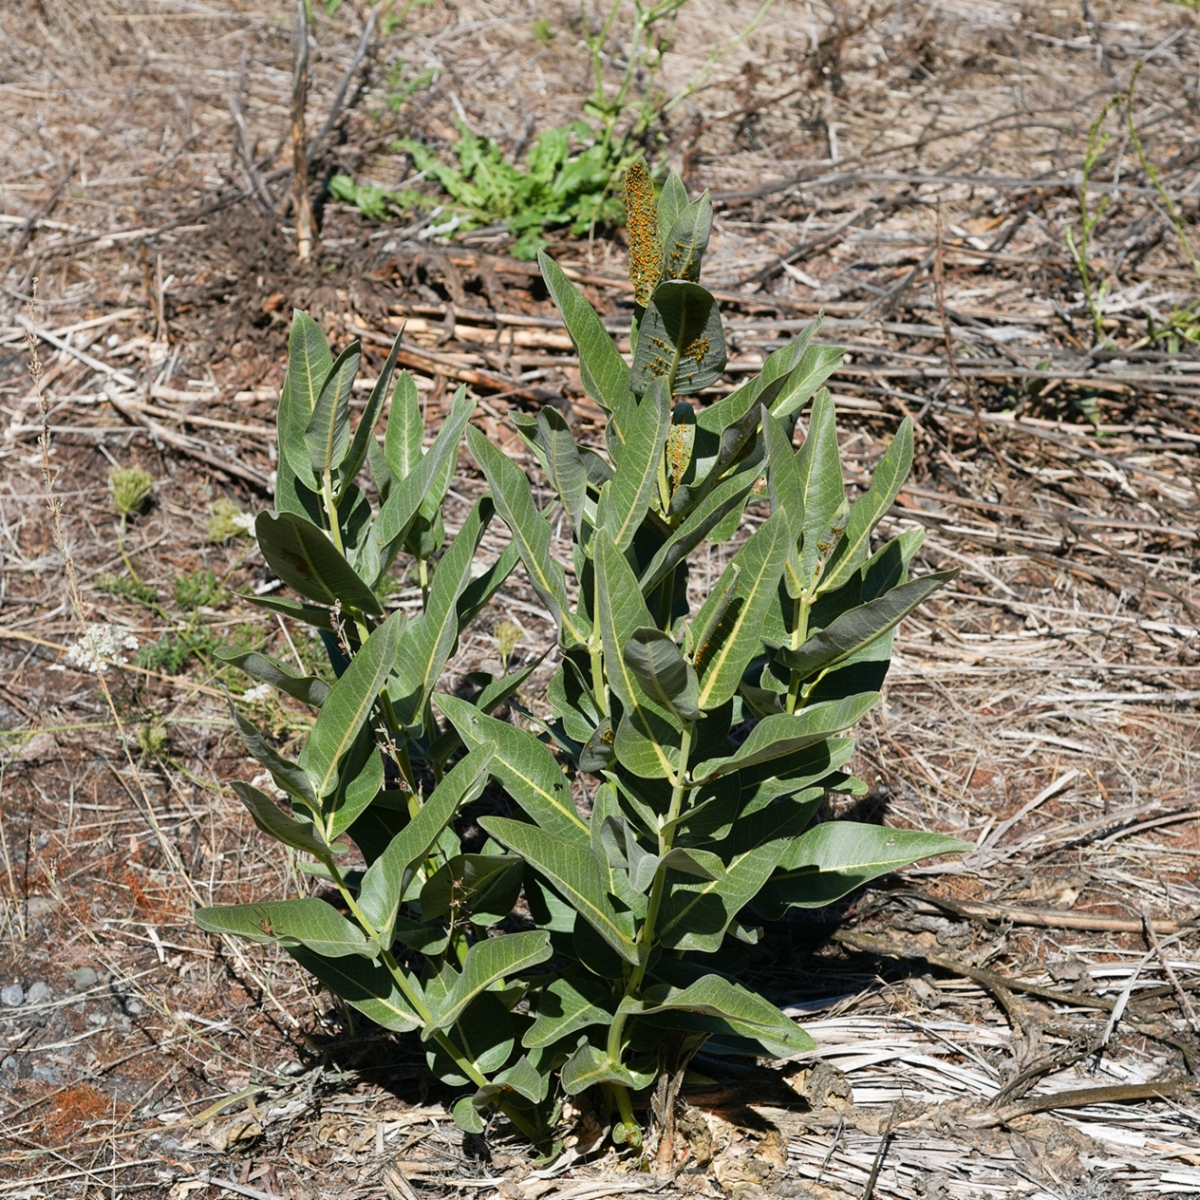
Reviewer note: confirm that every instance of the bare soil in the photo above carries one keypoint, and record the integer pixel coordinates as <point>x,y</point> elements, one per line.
<point>1023,1022</point>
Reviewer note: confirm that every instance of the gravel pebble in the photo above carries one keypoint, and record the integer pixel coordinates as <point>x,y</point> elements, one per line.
<point>84,978</point>
<point>39,993</point>
<point>12,996</point>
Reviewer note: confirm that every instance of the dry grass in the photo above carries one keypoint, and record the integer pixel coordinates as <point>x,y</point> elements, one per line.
<point>916,164</point>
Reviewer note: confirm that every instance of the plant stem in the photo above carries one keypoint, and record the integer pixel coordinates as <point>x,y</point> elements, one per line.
<point>799,635</point>
<point>465,1064</point>
<point>646,935</point>
<point>124,556</point>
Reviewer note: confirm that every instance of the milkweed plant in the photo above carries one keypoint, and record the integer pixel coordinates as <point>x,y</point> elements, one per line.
<point>657,802</point>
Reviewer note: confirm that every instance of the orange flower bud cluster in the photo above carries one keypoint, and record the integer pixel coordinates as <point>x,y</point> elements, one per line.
<point>641,212</point>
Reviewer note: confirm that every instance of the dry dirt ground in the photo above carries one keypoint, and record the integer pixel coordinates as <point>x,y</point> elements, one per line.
<point>1023,1022</point>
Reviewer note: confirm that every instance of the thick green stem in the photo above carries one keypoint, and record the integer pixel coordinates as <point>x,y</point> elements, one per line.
<point>646,936</point>
<point>799,635</point>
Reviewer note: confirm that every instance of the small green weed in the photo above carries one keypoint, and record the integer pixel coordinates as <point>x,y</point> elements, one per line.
<point>559,186</point>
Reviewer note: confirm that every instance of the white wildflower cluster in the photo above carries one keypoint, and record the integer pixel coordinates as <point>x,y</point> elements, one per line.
<point>258,693</point>
<point>98,643</point>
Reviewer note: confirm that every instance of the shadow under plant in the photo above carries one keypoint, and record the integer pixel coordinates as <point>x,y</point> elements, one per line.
<point>666,803</point>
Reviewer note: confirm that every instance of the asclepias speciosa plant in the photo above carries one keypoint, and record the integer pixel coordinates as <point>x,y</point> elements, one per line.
<point>658,800</point>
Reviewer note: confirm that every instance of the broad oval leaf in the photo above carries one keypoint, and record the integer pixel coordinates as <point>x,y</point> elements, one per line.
<point>306,688</point>
<point>368,986</point>
<point>680,339</point>
<point>662,671</point>
<point>602,371</point>
<point>686,239</point>
<point>784,733</point>
<point>573,871</point>
<point>488,962</point>
<point>300,835</point>
<point>736,638</point>
<point>349,704</point>
<point>310,922</point>
<point>304,558</point>
<point>855,630</point>
<point>327,434</point>
<point>308,367</point>
<point>831,860</point>
<point>387,879</point>
<point>523,765</point>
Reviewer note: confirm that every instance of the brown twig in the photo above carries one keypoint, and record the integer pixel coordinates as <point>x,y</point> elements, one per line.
<point>300,201</point>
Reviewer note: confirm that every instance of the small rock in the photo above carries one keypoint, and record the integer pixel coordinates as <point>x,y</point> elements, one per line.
<point>84,978</point>
<point>47,1073</point>
<point>12,996</point>
<point>40,906</point>
<point>133,1006</point>
<point>39,993</point>
<point>9,1066</point>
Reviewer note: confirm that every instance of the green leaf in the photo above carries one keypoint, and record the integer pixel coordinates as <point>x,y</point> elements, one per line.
<point>680,339</point>
<point>467,1117</point>
<point>855,630</point>
<point>404,437</point>
<point>822,492</point>
<point>523,765</point>
<point>554,443</point>
<point>304,558</point>
<point>672,200</point>
<point>309,614</point>
<point>487,1027</point>
<point>831,860</point>
<point>300,835</point>
<point>309,363</point>
<point>748,1014</point>
<point>695,916</point>
<point>621,610</point>
<point>367,986</point>
<point>726,499</point>
<point>327,435</point>
<point>311,923</point>
<point>590,1065</point>
<point>387,879</point>
<point>522,1077</point>
<point>687,239</point>
<point>783,475</point>
<point>574,873</point>
<point>364,435</point>
<point>306,688</point>
<point>479,592</point>
<point>430,639</point>
<point>288,775</point>
<point>784,733</point>
<point>488,962</point>
<point>815,366</point>
<point>660,668</point>
<point>633,484</point>
<point>481,887</point>
<point>349,704</point>
<point>602,371</point>
<point>869,508</point>
<point>735,640</point>
<point>360,780</point>
<point>531,531</point>
<point>407,495</point>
